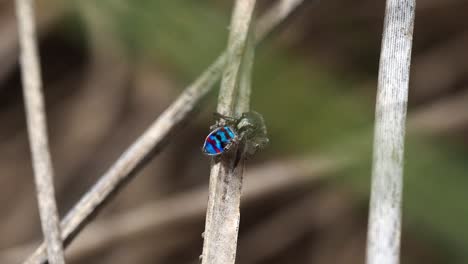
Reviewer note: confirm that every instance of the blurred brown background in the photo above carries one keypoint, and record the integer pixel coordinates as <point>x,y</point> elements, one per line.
<point>111,66</point>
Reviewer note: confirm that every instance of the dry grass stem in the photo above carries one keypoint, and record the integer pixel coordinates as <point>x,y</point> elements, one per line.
<point>223,212</point>
<point>383,238</point>
<point>145,147</point>
<point>245,78</point>
<point>236,56</point>
<point>37,131</point>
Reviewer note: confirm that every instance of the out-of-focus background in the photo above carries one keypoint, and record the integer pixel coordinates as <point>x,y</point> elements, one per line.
<point>111,66</point>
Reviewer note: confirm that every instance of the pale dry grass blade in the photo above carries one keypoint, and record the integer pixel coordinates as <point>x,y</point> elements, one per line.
<point>37,130</point>
<point>223,212</point>
<point>384,230</point>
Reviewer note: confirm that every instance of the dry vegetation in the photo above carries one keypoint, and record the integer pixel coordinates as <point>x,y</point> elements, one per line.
<point>102,94</point>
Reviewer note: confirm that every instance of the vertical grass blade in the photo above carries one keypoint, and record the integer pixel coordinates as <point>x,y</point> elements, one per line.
<point>384,230</point>
<point>223,213</point>
<point>37,131</point>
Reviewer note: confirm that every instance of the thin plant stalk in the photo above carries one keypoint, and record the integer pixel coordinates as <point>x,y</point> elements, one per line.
<point>37,130</point>
<point>245,78</point>
<point>223,213</point>
<point>384,230</point>
<point>152,140</point>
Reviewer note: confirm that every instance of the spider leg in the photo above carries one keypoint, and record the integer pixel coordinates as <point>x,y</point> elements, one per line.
<point>228,119</point>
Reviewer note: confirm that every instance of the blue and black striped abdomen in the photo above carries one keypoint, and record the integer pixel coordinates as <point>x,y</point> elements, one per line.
<point>217,141</point>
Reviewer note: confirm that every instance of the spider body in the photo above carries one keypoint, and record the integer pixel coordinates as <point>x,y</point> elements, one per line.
<point>219,140</point>
<point>249,130</point>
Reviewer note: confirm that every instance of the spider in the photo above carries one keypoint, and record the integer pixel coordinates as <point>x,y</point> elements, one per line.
<point>248,130</point>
